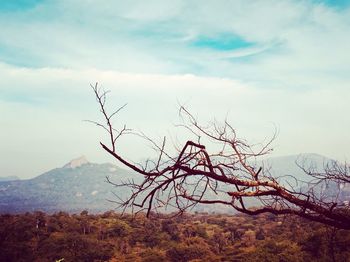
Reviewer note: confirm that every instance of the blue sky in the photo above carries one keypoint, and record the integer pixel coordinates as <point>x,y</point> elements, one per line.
<point>261,63</point>
<point>18,5</point>
<point>335,3</point>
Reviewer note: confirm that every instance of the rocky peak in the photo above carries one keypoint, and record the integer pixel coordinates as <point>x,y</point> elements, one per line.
<point>77,162</point>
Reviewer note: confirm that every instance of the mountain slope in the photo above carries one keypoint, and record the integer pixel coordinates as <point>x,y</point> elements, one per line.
<point>81,185</point>
<point>288,172</point>
<point>288,166</point>
<point>72,188</point>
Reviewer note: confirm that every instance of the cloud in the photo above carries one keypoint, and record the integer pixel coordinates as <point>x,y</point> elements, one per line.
<point>311,120</point>
<point>281,62</point>
<point>182,37</point>
<point>53,124</point>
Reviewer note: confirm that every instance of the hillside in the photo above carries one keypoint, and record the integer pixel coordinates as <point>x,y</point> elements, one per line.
<point>76,186</point>
<point>81,185</point>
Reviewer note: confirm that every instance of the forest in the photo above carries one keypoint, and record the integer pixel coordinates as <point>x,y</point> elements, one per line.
<point>190,237</point>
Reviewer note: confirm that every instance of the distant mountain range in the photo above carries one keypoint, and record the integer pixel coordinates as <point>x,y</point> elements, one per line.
<point>9,178</point>
<point>77,186</point>
<point>81,185</point>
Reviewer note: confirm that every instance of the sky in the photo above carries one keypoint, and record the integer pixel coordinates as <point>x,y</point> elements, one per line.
<point>264,65</point>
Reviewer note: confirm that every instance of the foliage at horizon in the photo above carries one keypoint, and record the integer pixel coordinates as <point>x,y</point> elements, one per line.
<point>192,237</point>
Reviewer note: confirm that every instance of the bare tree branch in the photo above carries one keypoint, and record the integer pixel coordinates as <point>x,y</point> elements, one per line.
<point>229,176</point>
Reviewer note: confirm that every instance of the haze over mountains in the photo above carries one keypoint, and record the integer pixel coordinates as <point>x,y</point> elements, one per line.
<point>9,178</point>
<point>81,185</point>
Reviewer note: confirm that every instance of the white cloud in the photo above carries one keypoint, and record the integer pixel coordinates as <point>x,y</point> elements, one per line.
<point>45,135</point>
<point>295,75</point>
<point>289,36</point>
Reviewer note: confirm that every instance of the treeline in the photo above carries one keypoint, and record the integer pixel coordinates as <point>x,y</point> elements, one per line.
<point>200,237</point>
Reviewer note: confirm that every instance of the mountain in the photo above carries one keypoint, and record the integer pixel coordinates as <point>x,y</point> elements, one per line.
<point>286,167</point>
<point>288,172</point>
<point>76,162</point>
<point>77,186</point>
<point>9,178</point>
<point>81,185</point>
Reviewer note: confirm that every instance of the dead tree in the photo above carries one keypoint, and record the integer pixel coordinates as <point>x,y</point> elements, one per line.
<point>232,175</point>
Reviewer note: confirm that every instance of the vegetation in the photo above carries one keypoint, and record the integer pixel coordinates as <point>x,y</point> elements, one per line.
<point>190,237</point>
